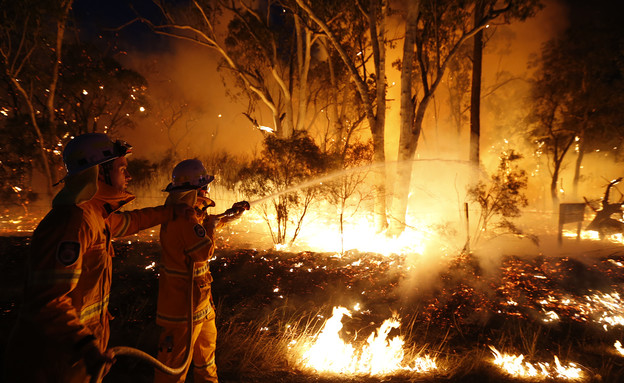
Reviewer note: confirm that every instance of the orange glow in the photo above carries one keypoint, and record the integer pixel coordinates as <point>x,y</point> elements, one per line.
<point>327,352</point>
<point>516,366</point>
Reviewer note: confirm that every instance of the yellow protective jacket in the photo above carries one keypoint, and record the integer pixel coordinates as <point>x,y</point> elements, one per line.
<point>66,296</point>
<point>185,242</point>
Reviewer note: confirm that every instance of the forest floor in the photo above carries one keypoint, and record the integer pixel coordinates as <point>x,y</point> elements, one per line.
<point>557,311</point>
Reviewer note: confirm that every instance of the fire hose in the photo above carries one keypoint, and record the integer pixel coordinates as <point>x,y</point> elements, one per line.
<point>136,353</point>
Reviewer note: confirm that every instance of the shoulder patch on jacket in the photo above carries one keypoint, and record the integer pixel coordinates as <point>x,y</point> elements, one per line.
<point>68,252</point>
<point>199,231</point>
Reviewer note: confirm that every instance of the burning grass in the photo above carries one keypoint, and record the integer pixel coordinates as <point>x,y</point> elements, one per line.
<point>304,317</point>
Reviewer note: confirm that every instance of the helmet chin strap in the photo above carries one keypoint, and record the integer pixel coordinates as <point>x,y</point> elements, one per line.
<point>106,172</point>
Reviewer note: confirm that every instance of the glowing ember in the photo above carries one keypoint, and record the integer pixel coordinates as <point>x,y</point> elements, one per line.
<point>516,366</point>
<point>379,356</point>
<point>594,236</point>
<point>618,347</point>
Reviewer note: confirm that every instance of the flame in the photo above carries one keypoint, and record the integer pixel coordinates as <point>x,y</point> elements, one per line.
<point>618,347</point>
<point>516,366</point>
<point>617,238</point>
<point>379,356</point>
<point>266,128</point>
<point>361,234</point>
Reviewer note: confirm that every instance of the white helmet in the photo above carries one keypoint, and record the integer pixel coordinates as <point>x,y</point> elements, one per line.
<point>91,149</point>
<point>189,175</point>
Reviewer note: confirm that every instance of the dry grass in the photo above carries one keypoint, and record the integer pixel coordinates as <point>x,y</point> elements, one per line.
<point>258,330</point>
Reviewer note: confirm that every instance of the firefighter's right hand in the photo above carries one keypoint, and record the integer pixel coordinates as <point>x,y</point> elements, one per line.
<point>94,358</point>
<point>211,222</point>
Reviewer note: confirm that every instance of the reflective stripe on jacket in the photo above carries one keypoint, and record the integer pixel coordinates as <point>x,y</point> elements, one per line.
<point>70,266</point>
<point>184,242</point>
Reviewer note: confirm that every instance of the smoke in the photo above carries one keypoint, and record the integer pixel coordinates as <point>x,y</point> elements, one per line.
<point>192,110</point>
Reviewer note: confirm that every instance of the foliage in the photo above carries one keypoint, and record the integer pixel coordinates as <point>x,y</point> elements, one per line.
<point>144,171</point>
<point>272,55</point>
<point>225,167</point>
<point>49,94</point>
<point>501,197</point>
<point>353,170</point>
<point>283,165</point>
<point>576,101</point>
<point>16,188</point>
<point>97,93</point>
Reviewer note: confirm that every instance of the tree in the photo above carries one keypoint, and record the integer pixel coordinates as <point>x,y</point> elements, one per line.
<point>576,103</point>
<point>268,51</point>
<point>549,129</point>
<point>502,197</point>
<point>97,93</point>
<point>371,86</point>
<point>31,55</point>
<point>597,85</point>
<point>274,178</point>
<point>351,185</point>
<point>439,29</point>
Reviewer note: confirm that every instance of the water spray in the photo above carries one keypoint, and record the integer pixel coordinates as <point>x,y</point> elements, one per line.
<point>319,180</point>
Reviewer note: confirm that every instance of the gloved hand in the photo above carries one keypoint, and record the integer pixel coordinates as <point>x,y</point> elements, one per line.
<point>210,223</point>
<point>237,209</point>
<point>94,358</point>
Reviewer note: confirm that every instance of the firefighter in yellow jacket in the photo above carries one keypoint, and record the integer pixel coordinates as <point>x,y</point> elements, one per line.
<point>62,329</point>
<point>188,244</point>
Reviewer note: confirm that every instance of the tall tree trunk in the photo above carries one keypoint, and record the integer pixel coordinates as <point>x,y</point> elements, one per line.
<point>475,96</point>
<point>401,191</point>
<point>577,166</point>
<point>375,116</point>
<point>553,185</point>
<point>60,34</point>
<point>45,161</point>
<point>378,37</point>
<point>336,127</point>
<point>558,157</point>
<point>581,144</point>
<point>304,44</point>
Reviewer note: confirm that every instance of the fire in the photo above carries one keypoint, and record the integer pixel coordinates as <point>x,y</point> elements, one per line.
<point>516,366</point>
<point>618,347</point>
<point>360,234</point>
<point>266,128</point>
<point>616,238</point>
<point>379,356</point>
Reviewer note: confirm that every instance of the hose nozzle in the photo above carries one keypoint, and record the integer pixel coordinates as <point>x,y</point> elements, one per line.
<point>236,209</point>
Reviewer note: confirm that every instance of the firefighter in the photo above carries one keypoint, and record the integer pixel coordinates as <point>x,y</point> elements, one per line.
<point>189,243</point>
<point>62,328</point>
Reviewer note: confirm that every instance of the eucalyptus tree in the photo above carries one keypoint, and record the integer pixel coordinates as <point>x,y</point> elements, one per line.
<point>98,94</point>
<point>31,52</point>
<point>435,32</point>
<point>576,103</point>
<point>370,81</point>
<point>513,10</point>
<point>276,61</point>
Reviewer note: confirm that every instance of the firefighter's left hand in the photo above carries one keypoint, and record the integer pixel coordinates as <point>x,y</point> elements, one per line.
<point>94,358</point>
<point>236,210</point>
<point>241,205</point>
